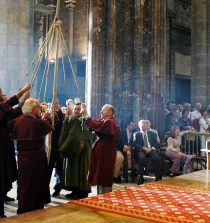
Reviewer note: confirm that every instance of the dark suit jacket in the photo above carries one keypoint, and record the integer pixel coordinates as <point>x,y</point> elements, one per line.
<point>124,138</point>
<point>138,141</point>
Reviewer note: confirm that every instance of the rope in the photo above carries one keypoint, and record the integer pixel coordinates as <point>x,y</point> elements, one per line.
<point>34,76</point>
<point>58,29</point>
<point>57,9</point>
<point>64,75</point>
<point>37,55</point>
<point>47,75</point>
<point>48,67</point>
<point>45,67</point>
<point>56,72</point>
<point>42,50</point>
<point>73,73</point>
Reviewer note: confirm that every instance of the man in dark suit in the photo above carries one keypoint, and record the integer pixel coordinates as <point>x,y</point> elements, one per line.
<point>125,139</point>
<point>146,145</point>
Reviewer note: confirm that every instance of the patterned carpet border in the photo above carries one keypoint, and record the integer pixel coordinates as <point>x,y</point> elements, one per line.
<point>154,202</point>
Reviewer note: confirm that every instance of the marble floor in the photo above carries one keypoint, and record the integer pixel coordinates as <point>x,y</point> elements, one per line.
<point>67,212</point>
<point>11,207</point>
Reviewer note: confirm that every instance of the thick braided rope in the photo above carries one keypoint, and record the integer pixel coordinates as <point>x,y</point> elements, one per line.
<point>57,9</point>
<point>58,29</point>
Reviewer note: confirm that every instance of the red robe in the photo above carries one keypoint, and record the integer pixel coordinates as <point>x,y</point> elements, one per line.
<point>103,154</point>
<point>4,109</point>
<point>6,114</point>
<point>33,188</point>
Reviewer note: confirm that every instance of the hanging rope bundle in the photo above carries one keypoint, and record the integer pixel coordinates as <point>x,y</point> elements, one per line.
<point>54,40</point>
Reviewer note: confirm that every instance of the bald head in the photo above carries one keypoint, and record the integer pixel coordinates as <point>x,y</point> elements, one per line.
<point>107,111</point>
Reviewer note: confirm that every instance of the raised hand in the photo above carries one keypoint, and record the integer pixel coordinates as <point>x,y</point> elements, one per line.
<point>25,96</point>
<point>24,90</point>
<point>83,109</point>
<point>27,87</point>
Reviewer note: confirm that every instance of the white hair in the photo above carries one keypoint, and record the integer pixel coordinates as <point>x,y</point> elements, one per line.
<point>29,104</point>
<point>140,123</point>
<point>69,101</point>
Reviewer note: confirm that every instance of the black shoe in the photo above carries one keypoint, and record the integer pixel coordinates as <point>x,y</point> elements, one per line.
<point>56,193</point>
<point>7,199</point>
<point>3,216</point>
<point>141,180</point>
<point>83,195</point>
<point>117,180</point>
<point>126,180</point>
<point>72,195</point>
<point>158,178</point>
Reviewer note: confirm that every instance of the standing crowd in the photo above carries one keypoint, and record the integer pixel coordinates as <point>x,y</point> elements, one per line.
<point>84,151</point>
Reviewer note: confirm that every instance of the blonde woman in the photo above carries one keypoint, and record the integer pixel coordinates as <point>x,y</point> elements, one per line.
<point>173,151</point>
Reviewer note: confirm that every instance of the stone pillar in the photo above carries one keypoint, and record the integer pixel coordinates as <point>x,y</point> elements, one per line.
<point>125,45</point>
<point>16,39</point>
<point>112,56</point>
<point>158,74</point>
<point>146,63</point>
<point>80,29</point>
<point>96,57</point>
<point>200,52</point>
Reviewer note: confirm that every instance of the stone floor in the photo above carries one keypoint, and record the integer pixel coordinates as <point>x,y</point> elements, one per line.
<point>76,214</point>
<point>11,207</point>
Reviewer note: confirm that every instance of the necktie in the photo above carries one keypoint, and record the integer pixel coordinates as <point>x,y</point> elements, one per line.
<point>145,141</point>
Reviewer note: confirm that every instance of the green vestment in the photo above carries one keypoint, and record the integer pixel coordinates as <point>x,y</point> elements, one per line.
<point>75,147</point>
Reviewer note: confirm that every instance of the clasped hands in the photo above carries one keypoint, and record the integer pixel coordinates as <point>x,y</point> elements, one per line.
<point>147,149</point>
<point>127,149</point>
<point>83,109</point>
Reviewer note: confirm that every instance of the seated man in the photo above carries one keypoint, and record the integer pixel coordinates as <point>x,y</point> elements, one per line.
<point>125,139</point>
<point>145,144</point>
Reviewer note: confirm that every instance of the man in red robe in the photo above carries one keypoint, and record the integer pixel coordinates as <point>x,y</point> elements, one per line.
<point>103,154</point>
<point>10,168</point>
<point>30,130</point>
<point>4,109</point>
<point>7,158</point>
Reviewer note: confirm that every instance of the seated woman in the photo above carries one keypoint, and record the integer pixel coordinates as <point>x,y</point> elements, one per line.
<point>173,150</point>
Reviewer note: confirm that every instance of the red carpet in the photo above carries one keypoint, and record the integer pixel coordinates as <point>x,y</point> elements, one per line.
<point>154,202</point>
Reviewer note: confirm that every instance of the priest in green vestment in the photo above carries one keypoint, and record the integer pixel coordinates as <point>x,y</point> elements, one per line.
<point>75,147</point>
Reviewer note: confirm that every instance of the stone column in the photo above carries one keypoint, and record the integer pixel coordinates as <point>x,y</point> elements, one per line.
<point>158,74</point>
<point>96,57</point>
<point>138,49</point>
<point>112,56</point>
<point>200,52</point>
<point>16,39</point>
<point>125,46</point>
<point>146,56</point>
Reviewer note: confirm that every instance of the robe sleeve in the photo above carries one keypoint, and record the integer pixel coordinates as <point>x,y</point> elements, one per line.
<point>4,108</point>
<point>12,101</point>
<point>104,126</point>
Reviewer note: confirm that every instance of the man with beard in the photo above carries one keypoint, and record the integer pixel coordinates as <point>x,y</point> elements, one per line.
<point>29,130</point>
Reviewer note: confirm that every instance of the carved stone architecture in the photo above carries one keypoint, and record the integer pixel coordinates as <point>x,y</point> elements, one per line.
<point>136,54</point>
